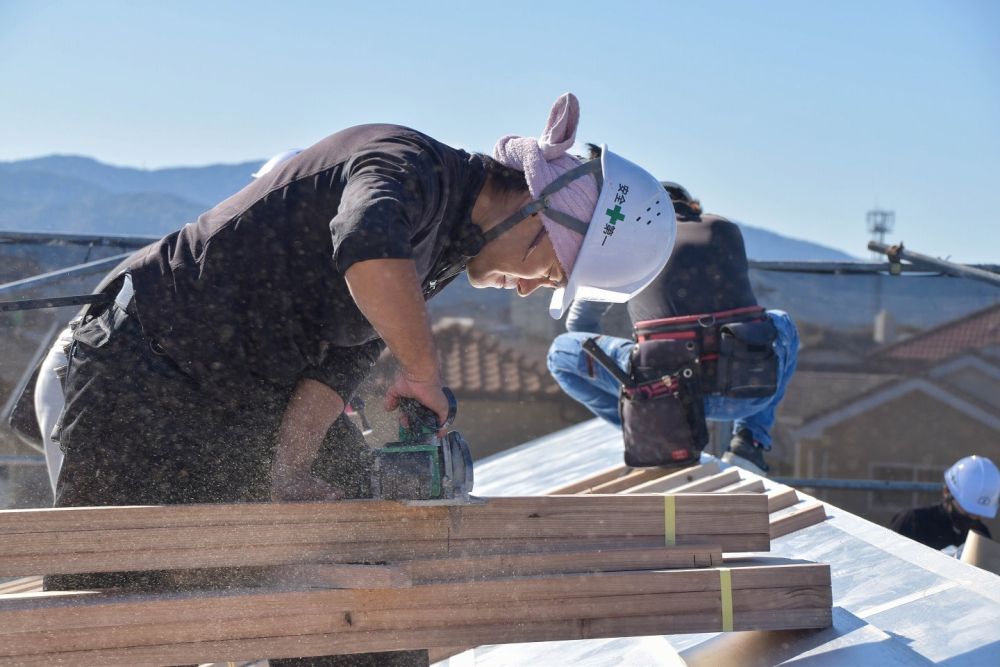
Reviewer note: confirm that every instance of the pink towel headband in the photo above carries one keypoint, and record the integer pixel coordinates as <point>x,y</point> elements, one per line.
<point>543,160</point>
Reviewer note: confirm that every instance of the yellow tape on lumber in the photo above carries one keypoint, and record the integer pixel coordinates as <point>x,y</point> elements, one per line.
<point>726,592</point>
<point>669,520</point>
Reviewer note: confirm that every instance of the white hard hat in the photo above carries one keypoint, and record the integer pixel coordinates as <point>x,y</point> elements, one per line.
<point>628,241</point>
<point>284,156</point>
<point>974,482</point>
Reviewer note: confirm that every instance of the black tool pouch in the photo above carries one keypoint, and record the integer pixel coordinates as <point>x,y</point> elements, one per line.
<point>748,364</point>
<point>663,421</point>
<point>651,359</point>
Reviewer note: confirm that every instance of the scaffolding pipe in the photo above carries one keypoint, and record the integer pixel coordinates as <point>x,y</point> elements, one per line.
<point>26,460</point>
<point>898,252</point>
<point>836,268</point>
<point>57,238</point>
<point>859,484</point>
<point>52,277</point>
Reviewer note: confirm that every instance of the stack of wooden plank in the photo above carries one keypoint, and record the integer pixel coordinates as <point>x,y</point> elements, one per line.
<point>109,539</point>
<point>243,625</point>
<point>361,576</point>
<point>788,512</point>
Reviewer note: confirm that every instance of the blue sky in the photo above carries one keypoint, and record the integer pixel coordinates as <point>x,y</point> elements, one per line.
<point>793,116</point>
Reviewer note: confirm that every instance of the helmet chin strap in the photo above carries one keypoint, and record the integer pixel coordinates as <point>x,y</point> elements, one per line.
<point>542,204</point>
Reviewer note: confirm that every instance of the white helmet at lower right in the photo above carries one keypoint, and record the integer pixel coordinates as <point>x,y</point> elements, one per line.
<point>628,241</point>
<point>974,483</point>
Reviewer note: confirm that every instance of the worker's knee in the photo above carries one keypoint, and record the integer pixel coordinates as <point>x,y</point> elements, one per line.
<point>565,354</point>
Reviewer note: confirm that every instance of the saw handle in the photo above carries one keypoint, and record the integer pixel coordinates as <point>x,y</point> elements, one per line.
<point>422,419</point>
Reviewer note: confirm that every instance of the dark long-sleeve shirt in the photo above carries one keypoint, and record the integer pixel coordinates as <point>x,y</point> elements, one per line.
<point>935,527</point>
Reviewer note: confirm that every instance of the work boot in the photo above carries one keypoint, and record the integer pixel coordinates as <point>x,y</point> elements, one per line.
<point>745,452</point>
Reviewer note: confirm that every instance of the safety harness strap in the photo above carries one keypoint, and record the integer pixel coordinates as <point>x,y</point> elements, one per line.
<point>542,204</point>
<point>566,220</point>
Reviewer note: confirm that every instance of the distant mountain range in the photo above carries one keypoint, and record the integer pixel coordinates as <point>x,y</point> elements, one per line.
<point>69,193</point>
<point>79,194</point>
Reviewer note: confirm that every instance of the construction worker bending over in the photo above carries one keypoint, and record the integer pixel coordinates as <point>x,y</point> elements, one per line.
<point>233,344</point>
<point>699,330</point>
<point>970,492</point>
<point>35,417</point>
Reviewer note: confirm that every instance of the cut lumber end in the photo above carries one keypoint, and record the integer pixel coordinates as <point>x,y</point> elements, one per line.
<point>675,479</point>
<point>796,518</point>
<point>744,486</point>
<point>584,485</point>
<point>780,498</point>
<point>711,483</point>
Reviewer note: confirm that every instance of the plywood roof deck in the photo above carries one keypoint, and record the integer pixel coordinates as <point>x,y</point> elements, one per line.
<point>895,601</point>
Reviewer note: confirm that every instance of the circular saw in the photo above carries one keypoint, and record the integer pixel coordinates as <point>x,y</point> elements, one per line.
<point>422,465</point>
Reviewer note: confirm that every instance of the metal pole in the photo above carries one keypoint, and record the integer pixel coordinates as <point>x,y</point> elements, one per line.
<point>950,268</point>
<point>860,484</point>
<point>848,268</point>
<point>51,277</point>
<point>109,240</point>
<point>15,460</point>
<point>807,266</point>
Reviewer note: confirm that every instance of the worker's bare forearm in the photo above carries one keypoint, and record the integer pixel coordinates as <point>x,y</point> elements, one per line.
<point>389,295</point>
<point>311,410</point>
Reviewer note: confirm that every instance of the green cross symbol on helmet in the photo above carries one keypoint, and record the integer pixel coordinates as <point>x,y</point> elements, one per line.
<point>615,214</point>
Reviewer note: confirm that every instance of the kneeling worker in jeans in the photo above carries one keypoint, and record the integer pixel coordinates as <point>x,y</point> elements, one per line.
<point>700,338</point>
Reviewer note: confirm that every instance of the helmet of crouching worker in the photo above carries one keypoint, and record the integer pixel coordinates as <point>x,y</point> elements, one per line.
<point>974,483</point>
<point>610,221</point>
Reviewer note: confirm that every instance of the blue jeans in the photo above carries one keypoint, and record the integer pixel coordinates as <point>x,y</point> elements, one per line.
<point>593,386</point>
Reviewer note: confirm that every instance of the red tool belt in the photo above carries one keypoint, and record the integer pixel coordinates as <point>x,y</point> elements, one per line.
<point>675,363</point>
<point>731,351</point>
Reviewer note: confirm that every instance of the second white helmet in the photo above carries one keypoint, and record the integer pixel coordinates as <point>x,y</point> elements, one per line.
<point>974,483</point>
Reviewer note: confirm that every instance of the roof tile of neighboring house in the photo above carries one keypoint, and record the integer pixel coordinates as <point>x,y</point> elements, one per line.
<point>974,331</point>
<point>477,364</point>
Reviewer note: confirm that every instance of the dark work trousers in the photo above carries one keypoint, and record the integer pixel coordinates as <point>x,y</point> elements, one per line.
<point>136,430</point>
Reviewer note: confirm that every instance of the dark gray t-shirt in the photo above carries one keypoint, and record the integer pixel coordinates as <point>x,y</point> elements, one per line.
<point>255,288</point>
